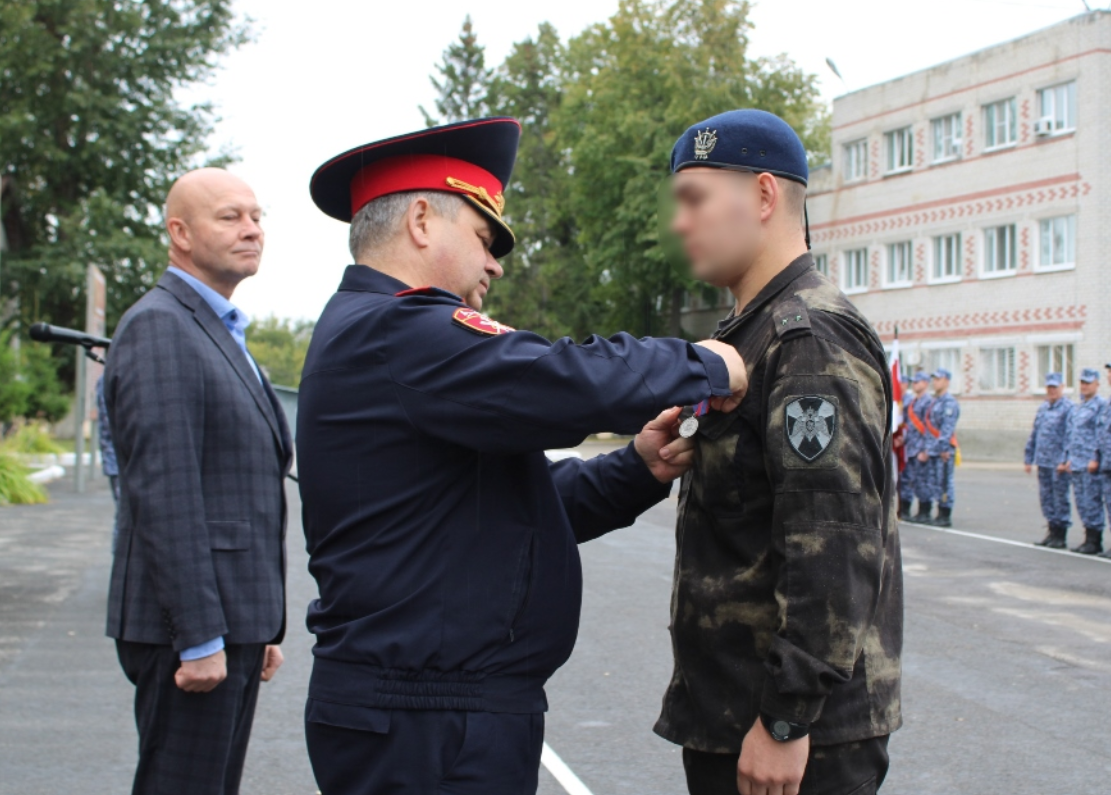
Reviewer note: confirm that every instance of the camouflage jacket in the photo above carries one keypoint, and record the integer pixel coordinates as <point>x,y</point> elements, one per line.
<point>788,583</point>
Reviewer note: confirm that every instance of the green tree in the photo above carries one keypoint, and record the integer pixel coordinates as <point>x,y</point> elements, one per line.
<point>29,385</point>
<point>279,347</point>
<point>463,81</point>
<point>633,84</point>
<point>545,287</point>
<point>91,137</point>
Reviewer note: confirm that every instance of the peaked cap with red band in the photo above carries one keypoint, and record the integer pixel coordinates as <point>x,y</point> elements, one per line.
<point>473,159</point>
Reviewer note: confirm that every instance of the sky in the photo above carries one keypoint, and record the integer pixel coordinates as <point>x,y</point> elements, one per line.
<point>325,76</point>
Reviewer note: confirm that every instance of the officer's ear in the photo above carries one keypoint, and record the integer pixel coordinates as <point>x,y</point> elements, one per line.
<point>417,219</point>
<point>770,195</point>
<point>180,236</point>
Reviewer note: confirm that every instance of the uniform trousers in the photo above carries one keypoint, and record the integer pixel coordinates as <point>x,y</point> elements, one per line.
<point>942,489</point>
<point>362,751</point>
<point>914,480</point>
<point>1053,493</point>
<point>1087,490</point>
<point>857,768</point>
<point>191,743</point>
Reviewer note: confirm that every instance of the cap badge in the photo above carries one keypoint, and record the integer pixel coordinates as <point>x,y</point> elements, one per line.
<point>495,203</point>
<point>704,143</point>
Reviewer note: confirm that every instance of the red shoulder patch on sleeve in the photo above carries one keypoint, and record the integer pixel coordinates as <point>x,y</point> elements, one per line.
<point>479,323</point>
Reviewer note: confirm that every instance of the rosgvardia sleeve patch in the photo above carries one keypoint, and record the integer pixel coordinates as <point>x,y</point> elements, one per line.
<point>811,424</point>
<point>479,323</point>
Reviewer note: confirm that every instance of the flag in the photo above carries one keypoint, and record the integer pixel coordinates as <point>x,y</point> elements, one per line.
<point>896,385</point>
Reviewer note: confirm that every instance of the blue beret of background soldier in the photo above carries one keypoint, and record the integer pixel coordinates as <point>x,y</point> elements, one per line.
<point>787,608</point>
<point>442,540</point>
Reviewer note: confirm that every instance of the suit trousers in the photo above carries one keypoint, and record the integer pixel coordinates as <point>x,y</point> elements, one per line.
<point>362,751</point>
<point>191,742</point>
<point>856,768</point>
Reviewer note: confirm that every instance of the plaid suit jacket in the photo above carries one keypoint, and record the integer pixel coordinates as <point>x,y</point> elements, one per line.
<point>203,450</point>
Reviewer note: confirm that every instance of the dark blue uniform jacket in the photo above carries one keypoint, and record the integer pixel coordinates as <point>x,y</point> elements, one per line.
<point>441,538</point>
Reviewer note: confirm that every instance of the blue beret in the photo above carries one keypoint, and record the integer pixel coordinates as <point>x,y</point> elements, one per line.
<point>920,376</point>
<point>1054,379</point>
<point>941,372</point>
<point>743,140</point>
<point>1088,375</point>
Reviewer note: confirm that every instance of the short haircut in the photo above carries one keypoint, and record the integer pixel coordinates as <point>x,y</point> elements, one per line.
<point>378,221</point>
<point>794,196</point>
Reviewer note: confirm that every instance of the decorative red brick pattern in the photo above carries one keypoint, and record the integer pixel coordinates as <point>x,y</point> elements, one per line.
<point>920,146</point>
<point>874,270</point>
<point>1026,319</point>
<point>1024,249</point>
<point>968,368</point>
<point>1024,123</point>
<point>920,263</point>
<point>968,139</point>
<point>1023,371</point>
<point>874,145</point>
<point>940,211</point>
<point>970,255</point>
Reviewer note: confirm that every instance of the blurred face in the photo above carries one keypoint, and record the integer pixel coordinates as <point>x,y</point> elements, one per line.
<point>940,384</point>
<point>1089,388</point>
<point>1053,393</point>
<point>717,216</point>
<point>460,254</point>
<point>919,387</point>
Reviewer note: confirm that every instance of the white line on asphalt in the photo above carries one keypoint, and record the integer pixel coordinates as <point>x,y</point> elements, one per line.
<point>1008,541</point>
<point>563,774</point>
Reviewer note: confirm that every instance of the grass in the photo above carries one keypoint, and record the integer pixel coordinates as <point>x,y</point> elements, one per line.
<point>15,488</point>
<point>32,439</point>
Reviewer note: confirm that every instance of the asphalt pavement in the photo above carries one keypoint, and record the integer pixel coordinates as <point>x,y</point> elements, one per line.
<point>1006,684</point>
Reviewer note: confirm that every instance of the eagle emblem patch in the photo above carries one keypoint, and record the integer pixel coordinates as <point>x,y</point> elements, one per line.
<point>477,322</point>
<point>811,423</point>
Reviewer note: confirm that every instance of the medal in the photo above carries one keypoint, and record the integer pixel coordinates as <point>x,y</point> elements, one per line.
<point>689,427</point>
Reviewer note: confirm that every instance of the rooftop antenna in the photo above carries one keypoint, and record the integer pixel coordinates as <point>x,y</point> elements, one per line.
<point>833,68</point>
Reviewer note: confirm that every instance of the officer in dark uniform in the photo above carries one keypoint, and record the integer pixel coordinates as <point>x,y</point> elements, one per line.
<point>787,609</point>
<point>442,540</point>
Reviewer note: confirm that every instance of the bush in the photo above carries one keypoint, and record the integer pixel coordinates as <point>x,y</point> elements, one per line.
<point>15,488</point>
<point>32,438</point>
<point>29,385</point>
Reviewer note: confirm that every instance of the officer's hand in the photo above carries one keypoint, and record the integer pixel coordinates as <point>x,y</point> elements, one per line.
<point>1029,469</point>
<point>897,441</point>
<point>271,662</point>
<point>1065,467</point>
<point>202,676</point>
<point>923,457</point>
<point>738,375</point>
<point>770,768</point>
<point>1093,466</point>
<point>945,456</point>
<point>666,454</point>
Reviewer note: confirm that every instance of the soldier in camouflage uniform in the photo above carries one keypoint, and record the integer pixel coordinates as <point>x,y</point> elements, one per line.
<point>941,426</point>
<point>914,480</point>
<point>1045,450</point>
<point>1103,454</point>
<point>787,605</point>
<point>1081,463</point>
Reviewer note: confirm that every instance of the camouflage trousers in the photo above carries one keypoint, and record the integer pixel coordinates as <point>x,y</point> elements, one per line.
<point>1087,490</point>
<point>914,480</point>
<point>942,487</point>
<point>1053,493</point>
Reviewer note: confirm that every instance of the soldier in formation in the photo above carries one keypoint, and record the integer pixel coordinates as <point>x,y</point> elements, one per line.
<point>1080,463</point>
<point>914,480</point>
<point>941,447</point>
<point>1045,450</point>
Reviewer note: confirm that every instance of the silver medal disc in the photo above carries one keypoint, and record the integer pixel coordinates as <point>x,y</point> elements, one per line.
<point>689,427</point>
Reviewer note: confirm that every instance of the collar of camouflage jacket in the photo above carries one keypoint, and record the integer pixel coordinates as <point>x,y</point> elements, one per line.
<point>778,284</point>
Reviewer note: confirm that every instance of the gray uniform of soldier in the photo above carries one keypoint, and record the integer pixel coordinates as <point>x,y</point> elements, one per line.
<point>1081,463</point>
<point>1045,449</point>
<point>1103,454</point>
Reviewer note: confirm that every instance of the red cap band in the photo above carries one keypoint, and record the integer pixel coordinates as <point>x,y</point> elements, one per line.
<point>426,172</point>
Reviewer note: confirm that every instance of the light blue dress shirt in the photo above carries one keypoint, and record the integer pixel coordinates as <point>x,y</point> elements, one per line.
<point>236,323</point>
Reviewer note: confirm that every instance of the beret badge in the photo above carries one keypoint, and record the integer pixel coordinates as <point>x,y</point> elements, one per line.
<point>704,143</point>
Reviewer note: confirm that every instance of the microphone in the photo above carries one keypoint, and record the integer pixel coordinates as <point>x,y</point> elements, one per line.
<point>44,332</point>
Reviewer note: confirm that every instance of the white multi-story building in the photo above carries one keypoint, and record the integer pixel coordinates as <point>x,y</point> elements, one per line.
<point>969,206</point>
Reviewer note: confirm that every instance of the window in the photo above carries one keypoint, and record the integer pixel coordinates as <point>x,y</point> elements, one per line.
<point>821,264</point>
<point>1057,109</point>
<point>947,137</point>
<point>856,270</point>
<point>997,369</point>
<point>948,358</point>
<point>1057,359</point>
<point>999,251</point>
<point>1000,127</point>
<point>947,258</point>
<point>1058,236</point>
<point>900,265</point>
<point>900,150</point>
<point>856,160</point>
